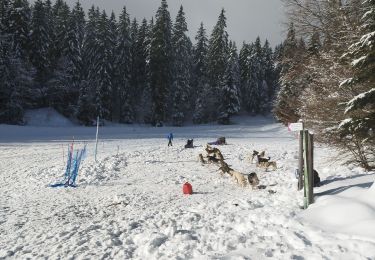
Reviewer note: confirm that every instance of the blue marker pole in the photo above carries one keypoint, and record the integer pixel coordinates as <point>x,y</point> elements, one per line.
<point>97,132</point>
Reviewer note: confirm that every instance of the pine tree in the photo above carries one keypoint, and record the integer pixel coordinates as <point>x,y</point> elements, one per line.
<point>147,103</point>
<point>19,25</point>
<point>357,130</point>
<point>40,42</point>
<point>314,44</point>
<point>133,53</point>
<point>244,62</point>
<point>5,11</point>
<point>270,75</point>
<point>87,111</point>
<point>182,65</point>
<point>256,85</point>
<point>160,63</point>
<point>200,82</point>
<point>140,58</point>
<point>103,93</point>
<point>230,98</point>
<point>217,57</point>
<point>286,104</point>
<point>123,89</point>
<point>75,76</point>
<point>14,78</point>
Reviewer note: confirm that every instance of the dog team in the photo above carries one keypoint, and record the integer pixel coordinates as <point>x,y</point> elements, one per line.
<point>214,155</point>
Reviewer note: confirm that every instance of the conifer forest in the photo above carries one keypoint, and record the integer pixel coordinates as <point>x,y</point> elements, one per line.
<point>87,63</point>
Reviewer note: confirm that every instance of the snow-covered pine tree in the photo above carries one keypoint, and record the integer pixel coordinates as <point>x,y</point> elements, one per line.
<point>19,25</point>
<point>103,93</point>
<point>230,99</point>
<point>75,70</point>
<point>286,103</point>
<point>244,62</point>
<point>270,75</point>
<point>314,44</point>
<point>217,58</point>
<point>358,129</point>
<point>257,89</point>
<point>59,89</point>
<point>4,15</point>
<point>161,63</point>
<point>61,14</point>
<point>86,103</point>
<point>143,100</point>
<point>181,69</point>
<point>133,54</point>
<point>40,44</point>
<point>123,90</point>
<point>146,111</point>
<point>200,90</point>
<point>74,52</point>
<point>15,79</point>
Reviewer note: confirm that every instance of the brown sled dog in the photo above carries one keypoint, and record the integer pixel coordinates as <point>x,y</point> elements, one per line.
<point>253,180</point>
<point>256,153</point>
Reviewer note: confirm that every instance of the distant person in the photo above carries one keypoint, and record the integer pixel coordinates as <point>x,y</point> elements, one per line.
<point>170,138</point>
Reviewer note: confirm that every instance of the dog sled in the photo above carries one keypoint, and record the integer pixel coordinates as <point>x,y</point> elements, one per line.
<point>219,141</point>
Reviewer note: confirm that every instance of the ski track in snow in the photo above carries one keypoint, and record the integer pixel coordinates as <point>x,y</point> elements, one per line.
<point>129,204</point>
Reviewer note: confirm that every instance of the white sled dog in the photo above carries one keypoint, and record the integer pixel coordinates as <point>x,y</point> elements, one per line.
<point>239,177</point>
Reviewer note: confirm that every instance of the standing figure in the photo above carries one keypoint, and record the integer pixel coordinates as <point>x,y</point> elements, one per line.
<point>170,138</point>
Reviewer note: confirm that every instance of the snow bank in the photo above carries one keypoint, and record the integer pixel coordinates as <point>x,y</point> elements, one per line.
<point>46,117</point>
<point>345,205</point>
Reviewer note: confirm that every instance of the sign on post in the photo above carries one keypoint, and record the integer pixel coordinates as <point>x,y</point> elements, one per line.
<point>294,127</point>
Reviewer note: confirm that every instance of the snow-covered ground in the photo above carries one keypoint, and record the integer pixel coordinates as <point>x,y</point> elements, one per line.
<point>129,204</point>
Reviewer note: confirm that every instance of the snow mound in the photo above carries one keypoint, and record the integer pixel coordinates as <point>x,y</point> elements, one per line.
<point>103,171</point>
<point>46,117</point>
<point>347,206</point>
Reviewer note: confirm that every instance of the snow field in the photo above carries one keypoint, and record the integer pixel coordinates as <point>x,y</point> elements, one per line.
<point>129,204</point>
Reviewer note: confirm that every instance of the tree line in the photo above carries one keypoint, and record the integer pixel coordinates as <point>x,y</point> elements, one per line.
<point>327,74</point>
<point>94,64</point>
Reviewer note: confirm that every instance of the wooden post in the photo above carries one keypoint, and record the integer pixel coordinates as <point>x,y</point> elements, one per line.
<point>306,171</point>
<point>300,161</point>
<point>310,167</point>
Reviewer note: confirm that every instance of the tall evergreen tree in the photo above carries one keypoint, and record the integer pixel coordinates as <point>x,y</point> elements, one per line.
<point>123,90</point>
<point>357,129</point>
<point>244,62</point>
<point>74,70</point>
<point>140,59</point>
<point>133,53</point>
<point>87,102</point>
<point>40,42</point>
<point>161,63</point>
<point>19,25</point>
<point>14,78</point>
<point>103,92</point>
<point>217,57</point>
<point>201,92</point>
<point>286,104</point>
<point>270,75</point>
<point>230,98</point>
<point>182,65</point>
<point>146,100</point>
<point>256,80</point>
<point>314,44</point>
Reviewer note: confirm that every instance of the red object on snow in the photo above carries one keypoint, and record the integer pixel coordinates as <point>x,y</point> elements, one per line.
<point>187,188</point>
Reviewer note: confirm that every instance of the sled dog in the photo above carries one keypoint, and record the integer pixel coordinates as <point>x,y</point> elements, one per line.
<point>253,180</point>
<point>239,177</point>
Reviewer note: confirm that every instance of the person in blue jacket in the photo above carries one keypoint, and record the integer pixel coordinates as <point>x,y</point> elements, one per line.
<point>170,138</point>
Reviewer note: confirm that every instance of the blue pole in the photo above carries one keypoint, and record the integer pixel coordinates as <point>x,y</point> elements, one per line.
<point>97,132</point>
